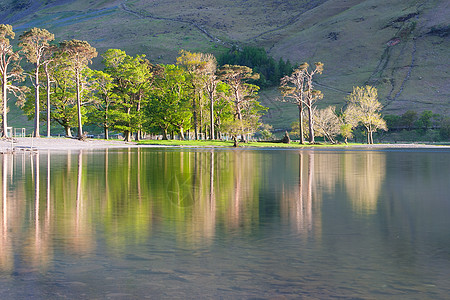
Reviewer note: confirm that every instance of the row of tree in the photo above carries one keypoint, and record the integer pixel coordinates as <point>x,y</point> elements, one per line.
<point>130,95</point>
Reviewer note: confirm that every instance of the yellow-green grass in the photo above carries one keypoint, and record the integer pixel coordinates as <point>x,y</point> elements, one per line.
<point>215,143</point>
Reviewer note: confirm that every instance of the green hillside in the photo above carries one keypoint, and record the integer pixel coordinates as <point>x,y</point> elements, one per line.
<point>401,47</point>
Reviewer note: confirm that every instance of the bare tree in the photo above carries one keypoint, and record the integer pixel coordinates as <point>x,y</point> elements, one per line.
<point>328,123</point>
<point>298,88</point>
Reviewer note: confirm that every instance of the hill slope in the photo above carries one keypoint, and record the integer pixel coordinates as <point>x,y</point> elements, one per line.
<point>401,47</point>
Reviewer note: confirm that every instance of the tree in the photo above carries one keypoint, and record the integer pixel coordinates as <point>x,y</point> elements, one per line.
<point>80,54</point>
<point>63,96</point>
<point>363,107</point>
<point>195,65</point>
<point>7,58</point>
<point>104,98</point>
<point>346,131</point>
<point>425,120</point>
<point>210,82</point>
<point>328,124</point>
<point>409,118</point>
<point>169,106</point>
<point>298,89</point>
<point>444,130</point>
<point>47,61</point>
<point>133,77</point>
<point>34,43</point>
<point>292,89</point>
<point>247,110</point>
<point>237,77</point>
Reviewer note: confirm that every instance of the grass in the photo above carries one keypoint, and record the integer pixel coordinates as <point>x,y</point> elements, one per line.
<point>208,143</point>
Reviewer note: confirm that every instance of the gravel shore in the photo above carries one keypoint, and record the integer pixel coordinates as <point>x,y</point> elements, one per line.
<point>28,144</point>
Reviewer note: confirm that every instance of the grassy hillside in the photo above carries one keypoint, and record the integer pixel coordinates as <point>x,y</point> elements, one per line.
<point>401,47</point>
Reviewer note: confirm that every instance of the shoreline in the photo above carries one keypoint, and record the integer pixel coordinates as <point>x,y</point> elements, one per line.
<point>65,144</point>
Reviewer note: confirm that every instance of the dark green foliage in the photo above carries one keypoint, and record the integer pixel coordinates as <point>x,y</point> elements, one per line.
<point>445,129</point>
<point>393,121</point>
<point>256,58</point>
<point>409,118</point>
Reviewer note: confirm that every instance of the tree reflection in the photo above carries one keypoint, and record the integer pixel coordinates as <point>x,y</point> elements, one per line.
<point>6,250</point>
<point>364,174</point>
<point>299,204</point>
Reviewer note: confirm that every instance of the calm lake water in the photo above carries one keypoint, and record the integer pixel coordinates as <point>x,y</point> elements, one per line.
<point>200,224</point>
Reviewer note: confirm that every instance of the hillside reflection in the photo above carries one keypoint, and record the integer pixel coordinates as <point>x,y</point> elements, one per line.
<point>63,202</point>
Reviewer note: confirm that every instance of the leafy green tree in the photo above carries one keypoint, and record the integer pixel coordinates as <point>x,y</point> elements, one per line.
<point>409,118</point>
<point>223,107</point>
<point>346,130</point>
<point>102,86</point>
<point>133,77</point>
<point>247,109</point>
<point>63,95</point>
<point>237,77</point>
<point>35,42</point>
<point>425,120</point>
<point>363,107</point>
<point>444,130</point>
<point>169,106</point>
<point>257,58</point>
<point>197,66</point>
<point>9,58</point>
<point>79,54</point>
<point>392,121</point>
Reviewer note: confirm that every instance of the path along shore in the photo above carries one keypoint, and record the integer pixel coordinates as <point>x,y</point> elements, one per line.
<point>28,144</point>
<point>63,144</point>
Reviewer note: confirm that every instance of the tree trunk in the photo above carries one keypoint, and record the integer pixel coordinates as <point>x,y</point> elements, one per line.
<point>36,102</point>
<point>105,127</point>
<point>194,108</point>
<point>211,116</point>
<point>5,106</point>
<point>236,143</point>
<point>368,136</point>
<point>48,100</point>
<point>165,134</point>
<point>311,125</point>
<point>138,108</point>
<point>181,133</point>
<point>80,125</point>
<point>127,136</point>
<point>68,131</point>
<point>300,123</point>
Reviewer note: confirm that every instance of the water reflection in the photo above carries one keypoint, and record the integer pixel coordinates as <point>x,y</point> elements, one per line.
<point>6,253</point>
<point>363,176</point>
<point>191,193</point>
<point>279,216</point>
<point>297,203</point>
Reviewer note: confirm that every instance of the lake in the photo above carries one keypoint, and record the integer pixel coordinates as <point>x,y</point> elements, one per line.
<point>225,223</point>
